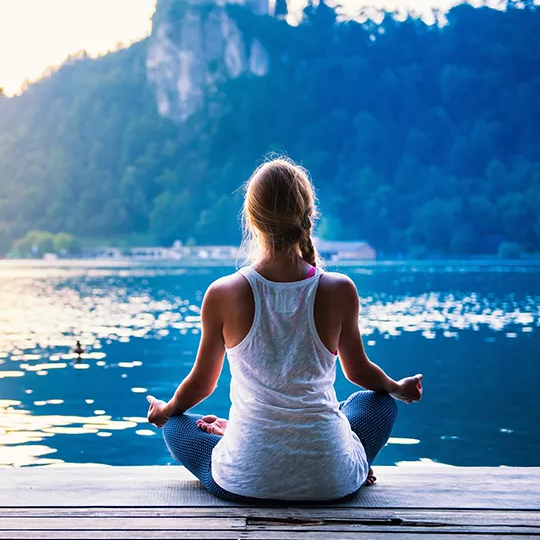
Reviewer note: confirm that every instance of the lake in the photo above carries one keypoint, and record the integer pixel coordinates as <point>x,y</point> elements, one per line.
<point>473,332</point>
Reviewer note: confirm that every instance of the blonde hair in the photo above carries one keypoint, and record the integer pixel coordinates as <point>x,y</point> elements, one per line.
<point>279,212</point>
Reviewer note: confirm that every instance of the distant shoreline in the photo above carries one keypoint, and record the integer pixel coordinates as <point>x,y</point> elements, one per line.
<point>231,263</point>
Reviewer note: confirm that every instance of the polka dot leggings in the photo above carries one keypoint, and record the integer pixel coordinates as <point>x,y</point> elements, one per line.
<point>370,414</point>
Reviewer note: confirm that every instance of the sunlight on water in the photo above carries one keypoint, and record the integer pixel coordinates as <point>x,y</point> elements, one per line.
<point>41,314</point>
<point>6,374</point>
<point>18,427</point>
<point>446,313</point>
<point>44,311</point>
<point>402,440</point>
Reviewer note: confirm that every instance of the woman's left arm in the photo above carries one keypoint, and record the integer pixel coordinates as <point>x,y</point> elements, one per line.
<point>202,379</point>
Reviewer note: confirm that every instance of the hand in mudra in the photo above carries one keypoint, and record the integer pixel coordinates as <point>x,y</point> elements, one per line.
<point>409,389</point>
<point>157,414</point>
<point>212,424</point>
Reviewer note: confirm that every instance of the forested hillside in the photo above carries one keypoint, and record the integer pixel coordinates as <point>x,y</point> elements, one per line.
<point>421,140</point>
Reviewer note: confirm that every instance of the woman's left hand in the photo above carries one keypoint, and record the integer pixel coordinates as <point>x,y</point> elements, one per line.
<point>157,412</point>
<point>409,389</point>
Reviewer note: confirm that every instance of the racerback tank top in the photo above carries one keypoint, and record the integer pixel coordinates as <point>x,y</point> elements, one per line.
<point>286,438</point>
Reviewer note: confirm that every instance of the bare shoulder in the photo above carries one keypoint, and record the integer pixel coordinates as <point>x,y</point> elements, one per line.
<point>339,285</point>
<point>228,288</point>
<point>337,296</point>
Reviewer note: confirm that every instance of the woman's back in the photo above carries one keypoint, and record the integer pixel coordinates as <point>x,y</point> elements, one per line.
<point>286,437</point>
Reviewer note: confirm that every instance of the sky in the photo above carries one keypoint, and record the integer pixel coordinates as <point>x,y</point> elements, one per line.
<point>37,34</point>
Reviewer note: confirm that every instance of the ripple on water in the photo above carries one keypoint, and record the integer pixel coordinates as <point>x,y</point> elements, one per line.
<point>402,440</point>
<point>145,432</point>
<point>44,311</point>
<point>19,427</point>
<point>11,374</point>
<point>54,304</point>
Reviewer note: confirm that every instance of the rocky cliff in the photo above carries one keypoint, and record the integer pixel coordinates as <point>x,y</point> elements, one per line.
<point>195,44</point>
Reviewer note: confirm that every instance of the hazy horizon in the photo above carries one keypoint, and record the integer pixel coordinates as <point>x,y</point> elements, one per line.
<point>39,34</point>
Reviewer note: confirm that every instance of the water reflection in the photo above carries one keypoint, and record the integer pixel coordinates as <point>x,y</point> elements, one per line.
<point>120,314</point>
<point>44,313</point>
<point>19,426</point>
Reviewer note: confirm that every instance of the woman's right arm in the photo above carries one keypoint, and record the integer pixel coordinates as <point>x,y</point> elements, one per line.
<point>202,379</point>
<point>356,365</point>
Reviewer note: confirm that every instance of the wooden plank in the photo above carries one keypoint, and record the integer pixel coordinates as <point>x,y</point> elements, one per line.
<point>122,535</point>
<point>122,523</point>
<point>238,524</point>
<point>249,535</point>
<point>165,503</point>
<point>408,517</point>
<point>415,487</point>
<point>443,517</point>
<point>399,529</point>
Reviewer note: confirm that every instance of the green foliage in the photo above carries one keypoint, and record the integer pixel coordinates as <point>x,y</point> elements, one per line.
<point>421,140</point>
<point>510,250</point>
<point>66,244</point>
<point>171,217</point>
<point>418,252</point>
<point>5,241</point>
<point>330,228</point>
<point>35,244</point>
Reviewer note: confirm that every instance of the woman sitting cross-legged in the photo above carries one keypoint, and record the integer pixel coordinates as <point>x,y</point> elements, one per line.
<point>283,323</point>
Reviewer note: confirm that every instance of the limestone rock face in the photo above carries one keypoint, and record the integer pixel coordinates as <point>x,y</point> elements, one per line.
<point>194,45</point>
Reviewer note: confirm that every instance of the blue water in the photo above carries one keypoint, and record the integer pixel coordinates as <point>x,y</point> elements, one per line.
<point>473,333</point>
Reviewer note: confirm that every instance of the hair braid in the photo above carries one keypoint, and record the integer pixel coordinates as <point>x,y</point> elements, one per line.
<point>307,249</point>
<point>279,212</point>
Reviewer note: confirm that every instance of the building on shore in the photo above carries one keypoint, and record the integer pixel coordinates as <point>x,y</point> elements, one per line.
<point>329,249</point>
<point>338,250</point>
<point>213,252</point>
<point>151,253</point>
<point>142,253</point>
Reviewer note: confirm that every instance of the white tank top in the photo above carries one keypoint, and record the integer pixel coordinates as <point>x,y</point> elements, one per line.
<point>286,438</point>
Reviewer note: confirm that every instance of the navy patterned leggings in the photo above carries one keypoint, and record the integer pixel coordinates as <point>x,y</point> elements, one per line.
<point>370,414</point>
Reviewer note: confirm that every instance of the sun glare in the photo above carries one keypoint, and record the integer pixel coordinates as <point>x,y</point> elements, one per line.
<point>37,34</point>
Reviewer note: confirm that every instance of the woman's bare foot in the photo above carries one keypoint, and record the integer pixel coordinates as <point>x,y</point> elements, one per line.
<point>371,478</point>
<point>212,424</point>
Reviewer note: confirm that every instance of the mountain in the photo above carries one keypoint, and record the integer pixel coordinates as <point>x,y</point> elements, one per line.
<point>422,140</point>
<point>196,46</point>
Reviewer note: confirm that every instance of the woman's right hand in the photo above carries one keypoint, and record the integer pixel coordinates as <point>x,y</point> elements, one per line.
<point>157,412</point>
<point>409,389</point>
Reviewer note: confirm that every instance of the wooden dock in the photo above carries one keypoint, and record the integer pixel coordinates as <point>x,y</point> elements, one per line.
<point>427,503</point>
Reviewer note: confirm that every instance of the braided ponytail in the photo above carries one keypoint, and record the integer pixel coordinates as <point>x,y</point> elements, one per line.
<point>307,249</point>
<point>279,212</point>
<point>305,243</point>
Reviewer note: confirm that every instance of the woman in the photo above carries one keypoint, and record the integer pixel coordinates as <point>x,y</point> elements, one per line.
<point>282,322</point>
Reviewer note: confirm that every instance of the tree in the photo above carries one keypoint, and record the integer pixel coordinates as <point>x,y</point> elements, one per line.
<point>66,244</point>
<point>35,244</point>
<point>510,250</point>
<point>436,221</point>
<point>421,140</point>
<point>464,240</point>
<point>220,223</point>
<point>330,228</point>
<point>5,242</point>
<point>171,217</point>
